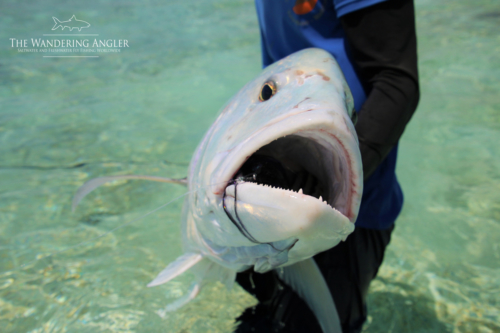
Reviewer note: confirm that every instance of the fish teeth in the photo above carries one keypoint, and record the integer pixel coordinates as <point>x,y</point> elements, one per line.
<point>320,198</point>
<point>300,191</point>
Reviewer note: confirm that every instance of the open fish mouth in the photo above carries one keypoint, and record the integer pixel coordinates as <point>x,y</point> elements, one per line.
<point>306,163</point>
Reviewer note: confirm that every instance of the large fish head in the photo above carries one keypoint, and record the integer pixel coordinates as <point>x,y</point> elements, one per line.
<point>280,167</point>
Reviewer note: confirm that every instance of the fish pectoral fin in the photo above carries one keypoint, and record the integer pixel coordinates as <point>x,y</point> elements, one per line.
<point>208,270</point>
<point>205,271</point>
<point>176,268</point>
<point>306,279</point>
<point>193,291</point>
<point>96,182</point>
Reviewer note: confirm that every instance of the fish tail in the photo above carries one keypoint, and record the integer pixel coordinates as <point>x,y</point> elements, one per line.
<point>57,23</point>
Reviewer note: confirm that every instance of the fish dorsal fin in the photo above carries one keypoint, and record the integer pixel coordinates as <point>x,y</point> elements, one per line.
<point>96,182</point>
<point>176,268</point>
<point>306,279</point>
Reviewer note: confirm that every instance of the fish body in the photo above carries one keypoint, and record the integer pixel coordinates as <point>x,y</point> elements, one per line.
<point>231,222</point>
<point>306,125</point>
<point>72,23</point>
<point>275,180</point>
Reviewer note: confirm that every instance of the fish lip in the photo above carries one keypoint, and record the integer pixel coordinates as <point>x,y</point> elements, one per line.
<point>304,210</point>
<point>311,120</point>
<point>230,194</point>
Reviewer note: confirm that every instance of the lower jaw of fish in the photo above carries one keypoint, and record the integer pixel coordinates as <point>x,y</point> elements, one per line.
<point>273,214</point>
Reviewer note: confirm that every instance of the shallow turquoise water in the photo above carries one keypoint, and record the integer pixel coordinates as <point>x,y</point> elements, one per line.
<point>66,120</point>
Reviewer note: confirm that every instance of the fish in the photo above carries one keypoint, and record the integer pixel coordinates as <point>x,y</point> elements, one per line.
<point>276,179</point>
<point>72,23</point>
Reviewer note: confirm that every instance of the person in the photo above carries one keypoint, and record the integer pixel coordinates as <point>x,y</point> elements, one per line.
<point>374,42</point>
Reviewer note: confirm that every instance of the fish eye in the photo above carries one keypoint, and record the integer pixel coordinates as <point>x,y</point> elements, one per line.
<point>267,91</point>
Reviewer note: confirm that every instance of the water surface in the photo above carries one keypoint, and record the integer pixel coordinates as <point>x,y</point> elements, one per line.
<point>143,110</point>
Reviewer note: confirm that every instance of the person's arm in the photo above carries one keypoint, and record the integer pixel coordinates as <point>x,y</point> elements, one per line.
<point>382,44</point>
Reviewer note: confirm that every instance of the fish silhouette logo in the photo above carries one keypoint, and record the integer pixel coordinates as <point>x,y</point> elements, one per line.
<point>72,23</point>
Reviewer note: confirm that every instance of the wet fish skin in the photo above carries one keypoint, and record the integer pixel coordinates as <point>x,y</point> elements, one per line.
<point>281,227</point>
<point>231,224</point>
